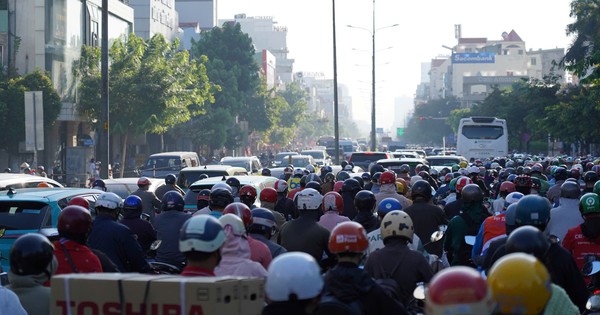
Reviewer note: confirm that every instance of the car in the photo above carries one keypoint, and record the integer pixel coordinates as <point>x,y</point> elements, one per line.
<point>298,160</point>
<point>250,163</point>
<point>31,210</point>
<point>259,182</point>
<point>162,164</point>
<point>278,171</point>
<point>126,185</point>
<point>405,154</point>
<point>18,180</point>
<point>438,162</point>
<point>189,175</point>
<point>364,159</point>
<point>320,156</point>
<point>279,157</point>
<point>412,152</point>
<point>394,164</point>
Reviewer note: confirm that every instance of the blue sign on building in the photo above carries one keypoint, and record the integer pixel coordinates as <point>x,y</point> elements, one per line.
<point>483,57</point>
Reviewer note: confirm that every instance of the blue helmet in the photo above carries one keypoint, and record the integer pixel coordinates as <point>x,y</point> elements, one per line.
<point>366,176</point>
<point>388,204</point>
<point>134,203</point>
<point>262,220</point>
<point>172,200</point>
<point>99,184</point>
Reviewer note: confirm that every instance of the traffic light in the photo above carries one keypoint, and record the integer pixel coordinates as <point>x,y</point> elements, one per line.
<point>421,118</point>
<point>399,132</point>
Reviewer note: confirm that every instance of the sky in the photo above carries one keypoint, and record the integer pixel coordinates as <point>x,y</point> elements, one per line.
<point>423,27</point>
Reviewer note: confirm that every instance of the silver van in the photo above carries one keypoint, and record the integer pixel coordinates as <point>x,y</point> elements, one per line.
<point>160,165</point>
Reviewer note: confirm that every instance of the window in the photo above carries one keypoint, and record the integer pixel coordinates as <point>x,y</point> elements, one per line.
<point>520,51</point>
<point>505,52</point>
<point>533,61</point>
<point>483,132</point>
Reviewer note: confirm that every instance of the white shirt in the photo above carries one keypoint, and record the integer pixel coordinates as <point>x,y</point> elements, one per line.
<point>375,241</point>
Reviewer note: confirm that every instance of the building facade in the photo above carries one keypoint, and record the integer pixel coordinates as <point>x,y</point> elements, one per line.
<point>155,17</point>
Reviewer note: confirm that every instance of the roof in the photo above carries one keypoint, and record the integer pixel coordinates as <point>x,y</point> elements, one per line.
<point>437,62</point>
<point>439,157</point>
<point>174,153</point>
<point>513,37</point>
<point>244,180</point>
<point>472,40</point>
<point>48,193</point>
<point>212,167</point>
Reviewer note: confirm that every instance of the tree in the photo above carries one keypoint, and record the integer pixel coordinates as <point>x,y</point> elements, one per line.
<point>428,124</point>
<point>12,106</point>
<point>153,86</point>
<point>584,53</point>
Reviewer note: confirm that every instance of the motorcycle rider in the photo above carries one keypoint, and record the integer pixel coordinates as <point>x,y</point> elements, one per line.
<point>505,188</point>
<point>589,178</point>
<point>32,263</point>
<point>170,220</point>
<point>263,228</point>
<point>259,252</point>
<point>202,199</point>
<point>200,241</point>
<point>150,202</point>
<point>235,185</point>
<point>387,182</point>
<point>115,239</point>
<point>73,256</point>
<point>397,231</point>
<point>350,285</point>
<point>566,215</point>
<point>248,196</point>
<point>218,199</point>
<point>333,207</point>
<point>560,176</point>
<point>284,205</point>
<point>365,203</point>
<point>293,286</point>
<point>304,233</point>
<point>268,199</point>
<point>454,208</point>
<point>99,184</point>
<point>170,184</point>
<point>466,223</point>
<point>426,216</point>
<point>143,230</point>
<point>350,188</point>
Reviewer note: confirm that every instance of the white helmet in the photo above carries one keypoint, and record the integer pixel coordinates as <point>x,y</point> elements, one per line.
<point>280,186</point>
<point>473,169</point>
<point>221,185</point>
<point>512,198</point>
<point>397,223</point>
<point>109,200</point>
<point>308,199</point>
<point>298,171</point>
<point>293,275</point>
<point>414,179</point>
<point>310,168</point>
<point>348,167</point>
<point>201,233</point>
<point>236,223</point>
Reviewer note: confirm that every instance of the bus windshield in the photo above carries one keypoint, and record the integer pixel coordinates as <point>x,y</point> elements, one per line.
<point>482,132</point>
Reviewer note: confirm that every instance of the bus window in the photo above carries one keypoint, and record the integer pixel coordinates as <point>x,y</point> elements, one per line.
<point>483,132</point>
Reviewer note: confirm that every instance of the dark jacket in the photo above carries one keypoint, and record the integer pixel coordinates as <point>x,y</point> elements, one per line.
<point>151,204</point>
<point>160,191</point>
<point>167,226</point>
<point>466,223</point>
<point>426,219</point>
<point>453,209</point>
<point>368,220</point>
<point>144,231</point>
<point>305,235</point>
<point>397,261</point>
<point>348,283</point>
<point>118,243</point>
<point>274,248</point>
<point>349,209</point>
<point>284,308</point>
<point>286,206</point>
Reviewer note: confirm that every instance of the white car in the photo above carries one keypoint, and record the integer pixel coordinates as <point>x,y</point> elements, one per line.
<point>320,157</point>
<point>281,155</point>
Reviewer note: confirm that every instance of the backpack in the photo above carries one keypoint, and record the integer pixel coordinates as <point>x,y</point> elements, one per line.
<point>330,304</point>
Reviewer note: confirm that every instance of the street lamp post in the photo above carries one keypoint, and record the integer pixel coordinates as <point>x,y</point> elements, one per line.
<point>372,32</point>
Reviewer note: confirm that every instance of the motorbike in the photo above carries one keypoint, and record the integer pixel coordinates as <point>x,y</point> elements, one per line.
<point>160,268</point>
<point>591,269</point>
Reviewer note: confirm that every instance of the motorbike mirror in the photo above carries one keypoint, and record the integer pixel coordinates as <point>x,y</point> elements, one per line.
<point>593,303</point>
<point>155,245</point>
<point>591,268</point>
<point>470,239</point>
<point>436,236</point>
<point>419,292</point>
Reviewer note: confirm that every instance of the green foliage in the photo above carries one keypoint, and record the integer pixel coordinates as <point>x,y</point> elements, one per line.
<point>12,105</point>
<point>584,53</point>
<point>428,130</point>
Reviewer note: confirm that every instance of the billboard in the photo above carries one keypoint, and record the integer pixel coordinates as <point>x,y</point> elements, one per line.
<point>482,57</point>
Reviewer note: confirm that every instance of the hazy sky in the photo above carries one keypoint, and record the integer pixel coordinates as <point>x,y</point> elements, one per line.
<point>424,26</point>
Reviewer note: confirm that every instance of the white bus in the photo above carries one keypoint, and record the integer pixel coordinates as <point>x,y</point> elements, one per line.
<point>482,137</point>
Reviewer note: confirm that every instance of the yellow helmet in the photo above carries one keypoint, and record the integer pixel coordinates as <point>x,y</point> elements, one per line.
<point>463,164</point>
<point>520,284</point>
<point>400,186</point>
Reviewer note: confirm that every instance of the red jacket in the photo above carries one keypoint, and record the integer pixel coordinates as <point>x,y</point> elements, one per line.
<point>259,252</point>
<point>81,256</point>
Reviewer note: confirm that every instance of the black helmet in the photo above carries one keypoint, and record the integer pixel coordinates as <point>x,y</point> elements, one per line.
<point>314,185</point>
<point>560,173</point>
<point>528,239</point>
<point>404,168</point>
<point>342,176</point>
<point>233,182</point>
<point>329,177</point>
<point>343,164</point>
<point>202,198</point>
<point>422,189</point>
<point>360,181</point>
<point>170,179</point>
<point>265,172</point>
<point>519,170</point>
<point>570,190</point>
<point>31,254</point>
<point>172,200</point>
<point>590,177</point>
<point>99,183</point>
<point>365,176</point>
<point>303,181</point>
<point>365,201</point>
<point>533,210</point>
<point>202,176</point>
<point>375,178</point>
<point>424,175</point>
<point>424,167</point>
<point>312,177</point>
<point>351,185</point>
<point>376,168</point>
<point>471,193</point>
<point>220,198</point>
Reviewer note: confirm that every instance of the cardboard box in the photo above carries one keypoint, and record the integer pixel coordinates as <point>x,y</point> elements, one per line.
<point>137,294</point>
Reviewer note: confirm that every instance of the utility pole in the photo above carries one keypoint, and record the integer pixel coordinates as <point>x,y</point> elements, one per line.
<point>335,95</point>
<point>103,145</point>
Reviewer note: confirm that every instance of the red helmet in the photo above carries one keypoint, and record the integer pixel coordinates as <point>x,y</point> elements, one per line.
<point>461,182</point>
<point>143,181</point>
<point>75,222</point>
<point>507,187</point>
<point>241,210</point>
<point>387,177</point>
<point>248,191</point>
<point>455,289</point>
<point>79,201</point>
<point>348,237</point>
<point>333,201</point>
<point>280,185</point>
<point>268,195</point>
<point>337,187</point>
